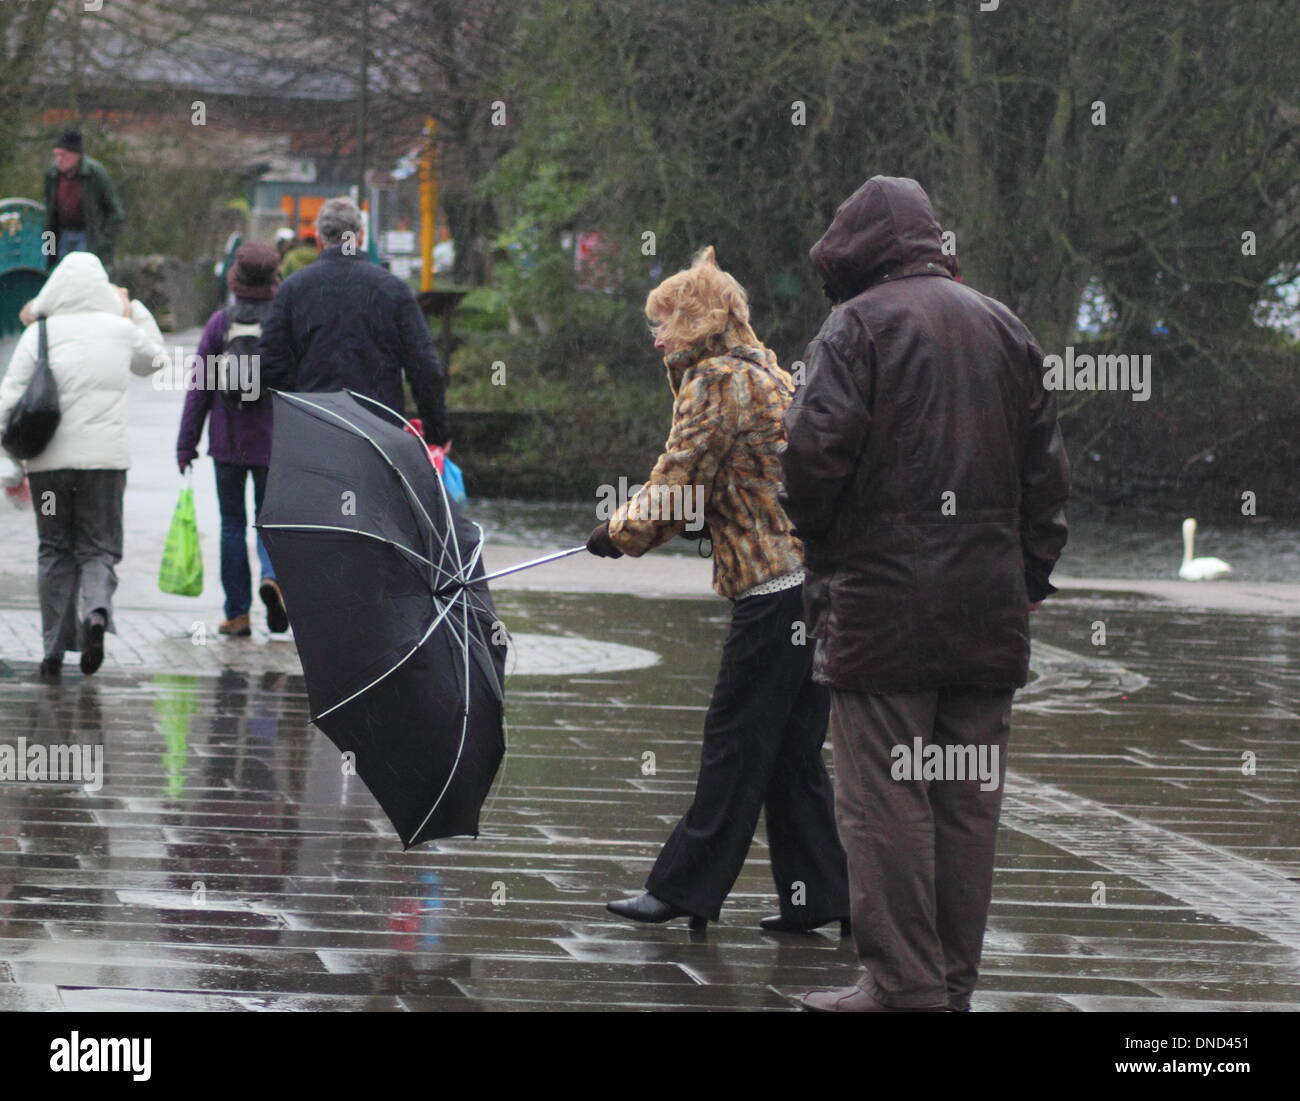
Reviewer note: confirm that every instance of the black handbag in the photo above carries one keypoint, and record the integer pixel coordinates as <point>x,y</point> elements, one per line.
<point>35,419</point>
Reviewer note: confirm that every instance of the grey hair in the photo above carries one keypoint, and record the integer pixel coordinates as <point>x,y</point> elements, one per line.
<point>336,218</point>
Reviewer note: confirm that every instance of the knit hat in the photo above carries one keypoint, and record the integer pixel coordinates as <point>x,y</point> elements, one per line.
<point>71,141</point>
<point>255,272</point>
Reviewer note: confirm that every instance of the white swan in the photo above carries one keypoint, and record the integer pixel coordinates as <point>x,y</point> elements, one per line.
<point>1199,569</point>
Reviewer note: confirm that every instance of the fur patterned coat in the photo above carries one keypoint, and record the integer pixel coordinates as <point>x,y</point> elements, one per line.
<point>723,450</point>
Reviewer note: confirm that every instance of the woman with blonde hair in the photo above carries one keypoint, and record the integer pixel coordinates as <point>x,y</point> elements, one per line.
<point>766,723</point>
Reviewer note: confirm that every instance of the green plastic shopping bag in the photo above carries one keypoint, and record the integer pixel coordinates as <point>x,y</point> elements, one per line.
<point>182,561</point>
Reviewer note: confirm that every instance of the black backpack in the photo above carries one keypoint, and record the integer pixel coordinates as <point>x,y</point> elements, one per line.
<point>239,344</point>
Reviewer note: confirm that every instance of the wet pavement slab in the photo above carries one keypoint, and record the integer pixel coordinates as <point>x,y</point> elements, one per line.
<point>1149,857</point>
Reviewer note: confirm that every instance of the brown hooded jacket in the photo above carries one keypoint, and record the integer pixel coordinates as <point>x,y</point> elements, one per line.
<point>925,471</point>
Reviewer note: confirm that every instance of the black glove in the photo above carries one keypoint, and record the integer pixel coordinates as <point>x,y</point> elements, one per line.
<point>600,544</point>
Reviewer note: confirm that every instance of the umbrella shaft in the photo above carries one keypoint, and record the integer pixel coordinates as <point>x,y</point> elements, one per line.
<point>512,569</point>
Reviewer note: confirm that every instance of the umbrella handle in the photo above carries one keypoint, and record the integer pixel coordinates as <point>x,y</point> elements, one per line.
<point>512,569</point>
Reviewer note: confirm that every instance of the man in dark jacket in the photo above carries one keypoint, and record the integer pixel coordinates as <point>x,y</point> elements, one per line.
<point>344,323</point>
<point>81,205</point>
<point>926,473</point>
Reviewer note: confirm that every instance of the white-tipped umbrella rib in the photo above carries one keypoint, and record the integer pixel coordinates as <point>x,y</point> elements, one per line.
<point>350,531</point>
<point>389,672</point>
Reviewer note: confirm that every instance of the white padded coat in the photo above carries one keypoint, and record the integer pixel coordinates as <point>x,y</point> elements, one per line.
<point>94,350</point>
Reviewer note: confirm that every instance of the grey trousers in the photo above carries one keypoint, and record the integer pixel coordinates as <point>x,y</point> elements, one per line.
<point>79,528</point>
<point>920,840</point>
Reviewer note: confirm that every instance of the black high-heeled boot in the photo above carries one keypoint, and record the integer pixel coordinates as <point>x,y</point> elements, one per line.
<point>778,923</point>
<point>655,911</point>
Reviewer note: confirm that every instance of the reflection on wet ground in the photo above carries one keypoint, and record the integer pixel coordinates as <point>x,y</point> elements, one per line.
<point>227,862</point>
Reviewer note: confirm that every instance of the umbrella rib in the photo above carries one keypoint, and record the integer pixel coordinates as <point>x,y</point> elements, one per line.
<point>474,557</point>
<point>451,531</point>
<point>407,657</point>
<point>497,686</point>
<point>464,722</point>
<point>466,594</point>
<point>387,409</point>
<point>411,429</point>
<point>375,444</point>
<point>478,604</point>
<point>461,568</point>
<point>350,531</point>
<point>467,582</point>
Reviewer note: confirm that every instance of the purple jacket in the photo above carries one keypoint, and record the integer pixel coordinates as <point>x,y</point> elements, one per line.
<point>242,436</point>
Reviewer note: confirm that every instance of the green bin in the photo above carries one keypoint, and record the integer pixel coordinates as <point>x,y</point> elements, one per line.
<point>23,263</point>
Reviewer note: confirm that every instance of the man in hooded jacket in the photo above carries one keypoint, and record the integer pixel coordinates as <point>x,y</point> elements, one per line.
<point>926,474</point>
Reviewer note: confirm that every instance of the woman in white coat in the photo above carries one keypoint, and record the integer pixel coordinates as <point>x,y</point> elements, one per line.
<point>98,338</point>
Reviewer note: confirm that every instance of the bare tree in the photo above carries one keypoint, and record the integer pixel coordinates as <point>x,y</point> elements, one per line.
<point>23,30</point>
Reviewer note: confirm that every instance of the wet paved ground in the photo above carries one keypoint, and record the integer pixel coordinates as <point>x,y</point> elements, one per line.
<point>227,863</point>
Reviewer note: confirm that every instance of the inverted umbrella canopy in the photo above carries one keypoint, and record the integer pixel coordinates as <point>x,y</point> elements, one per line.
<point>382,580</point>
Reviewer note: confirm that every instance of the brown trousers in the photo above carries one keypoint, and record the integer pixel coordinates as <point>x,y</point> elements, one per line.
<point>920,847</point>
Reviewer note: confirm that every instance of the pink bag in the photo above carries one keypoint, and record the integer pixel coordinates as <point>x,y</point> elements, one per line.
<point>436,452</point>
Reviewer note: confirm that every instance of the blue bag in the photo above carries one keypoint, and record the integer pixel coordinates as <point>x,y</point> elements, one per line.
<point>454,480</point>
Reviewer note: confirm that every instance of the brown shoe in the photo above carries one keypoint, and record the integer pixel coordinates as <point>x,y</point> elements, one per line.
<point>853,999</point>
<point>241,626</point>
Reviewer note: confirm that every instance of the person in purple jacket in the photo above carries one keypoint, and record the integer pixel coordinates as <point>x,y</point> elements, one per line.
<point>239,433</point>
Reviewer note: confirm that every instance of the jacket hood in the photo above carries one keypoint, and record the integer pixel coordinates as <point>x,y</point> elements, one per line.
<point>884,230</point>
<point>78,285</point>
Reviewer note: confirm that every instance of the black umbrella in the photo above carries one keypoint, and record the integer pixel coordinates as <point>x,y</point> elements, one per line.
<point>382,579</point>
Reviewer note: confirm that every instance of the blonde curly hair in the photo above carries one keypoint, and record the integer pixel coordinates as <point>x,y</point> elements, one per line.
<point>698,304</point>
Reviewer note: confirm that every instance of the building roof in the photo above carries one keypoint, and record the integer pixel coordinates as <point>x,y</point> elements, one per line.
<point>216,54</point>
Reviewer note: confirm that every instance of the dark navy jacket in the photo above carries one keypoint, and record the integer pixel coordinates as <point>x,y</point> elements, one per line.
<point>344,323</point>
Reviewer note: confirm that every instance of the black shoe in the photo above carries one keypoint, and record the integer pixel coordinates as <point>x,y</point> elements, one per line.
<point>650,909</point>
<point>778,923</point>
<point>52,667</point>
<point>277,619</point>
<point>92,657</point>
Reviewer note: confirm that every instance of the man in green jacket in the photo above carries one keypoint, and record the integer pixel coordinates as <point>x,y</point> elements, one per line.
<point>81,204</point>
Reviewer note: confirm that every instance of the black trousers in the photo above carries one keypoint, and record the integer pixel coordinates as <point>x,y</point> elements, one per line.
<point>763,738</point>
